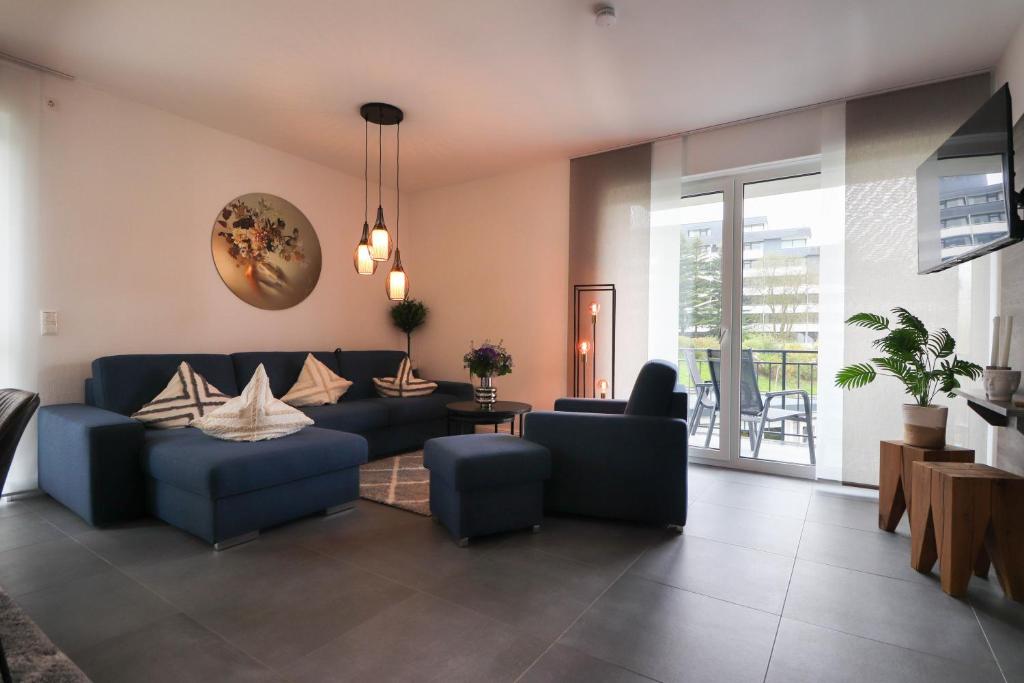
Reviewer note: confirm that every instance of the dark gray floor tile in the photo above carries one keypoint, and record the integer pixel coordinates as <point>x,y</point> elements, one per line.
<point>742,575</point>
<point>34,567</point>
<point>766,480</point>
<point>539,593</point>
<point>80,613</point>
<point>422,639</point>
<point>303,613</point>
<point>61,517</point>
<point>893,611</point>
<point>811,654</point>
<point>28,529</point>
<point>746,496</point>
<point>173,649</point>
<point>600,543</point>
<point>143,542</point>
<point>674,635</point>
<point>771,533</point>
<point>855,510</point>
<point>563,664</point>
<point>17,506</point>
<point>877,552</point>
<point>1002,621</point>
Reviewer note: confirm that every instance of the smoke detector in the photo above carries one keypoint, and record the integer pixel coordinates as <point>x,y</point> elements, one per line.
<point>604,16</point>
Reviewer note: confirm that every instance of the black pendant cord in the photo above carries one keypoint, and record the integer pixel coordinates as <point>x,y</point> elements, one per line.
<point>398,185</point>
<point>366,171</point>
<point>380,161</point>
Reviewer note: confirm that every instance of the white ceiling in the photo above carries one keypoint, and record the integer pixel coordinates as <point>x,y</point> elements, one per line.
<point>490,85</point>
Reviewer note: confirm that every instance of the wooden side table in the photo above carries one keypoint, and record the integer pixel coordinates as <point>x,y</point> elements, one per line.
<point>966,515</point>
<point>895,476</point>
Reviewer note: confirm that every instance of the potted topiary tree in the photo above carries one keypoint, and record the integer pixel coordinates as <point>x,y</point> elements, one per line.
<point>922,361</point>
<point>407,316</point>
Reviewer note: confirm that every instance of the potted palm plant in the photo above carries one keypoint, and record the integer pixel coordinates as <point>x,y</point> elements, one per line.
<point>407,316</point>
<point>924,362</point>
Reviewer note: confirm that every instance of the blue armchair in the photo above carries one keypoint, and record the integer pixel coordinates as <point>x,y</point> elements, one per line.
<point>619,459</point>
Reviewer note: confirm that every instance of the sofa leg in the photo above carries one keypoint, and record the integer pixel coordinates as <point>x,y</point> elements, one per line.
<point>463,542</point>
<point>237,540</point>
<point>336,509</point>
<point>676,528</point>
<point>535,528</point>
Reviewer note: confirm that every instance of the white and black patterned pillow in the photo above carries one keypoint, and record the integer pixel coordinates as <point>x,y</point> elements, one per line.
<point>187,396</point>
<point>403,385</point>
<point>317,385</point>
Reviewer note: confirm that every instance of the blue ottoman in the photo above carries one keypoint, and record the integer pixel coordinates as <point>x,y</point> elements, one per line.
<point>486,483</point>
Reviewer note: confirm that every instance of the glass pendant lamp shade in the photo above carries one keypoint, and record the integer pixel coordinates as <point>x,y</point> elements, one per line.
<point>380,238</point>
<point>362,259</point>
<point>397,284</point>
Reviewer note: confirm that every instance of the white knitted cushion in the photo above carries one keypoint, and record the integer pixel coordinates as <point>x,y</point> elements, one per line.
<point>403,385</point>
<point>255,415</point>
<point>317,385</point>
<point>187,396</point>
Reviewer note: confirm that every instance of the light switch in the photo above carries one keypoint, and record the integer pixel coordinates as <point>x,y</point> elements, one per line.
<point>47,323</point>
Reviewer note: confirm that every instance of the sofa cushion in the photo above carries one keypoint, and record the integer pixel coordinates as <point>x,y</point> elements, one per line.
<point>350,416</point>
<point>360,367</point>
<point>190,460</point>
<point>125,383</point>
<point>404,384</point>
<point>317,385</point>
<point>417,408</point>
<point>474,461</point>
<point>283,367</point>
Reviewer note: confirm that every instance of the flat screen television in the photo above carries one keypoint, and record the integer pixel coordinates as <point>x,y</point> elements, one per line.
<point>967,196</point>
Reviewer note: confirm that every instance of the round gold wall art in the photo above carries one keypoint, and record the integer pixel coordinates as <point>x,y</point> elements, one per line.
<point>266,251</point>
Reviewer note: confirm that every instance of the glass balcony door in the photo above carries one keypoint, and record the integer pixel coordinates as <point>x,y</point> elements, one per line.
<point>747,332</point>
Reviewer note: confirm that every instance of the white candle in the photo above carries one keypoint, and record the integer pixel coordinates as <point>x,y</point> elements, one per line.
<point>993,360</point>
<point>1004,350</point>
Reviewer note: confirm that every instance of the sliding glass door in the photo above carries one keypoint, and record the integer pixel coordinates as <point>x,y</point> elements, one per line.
<point>748,317</point>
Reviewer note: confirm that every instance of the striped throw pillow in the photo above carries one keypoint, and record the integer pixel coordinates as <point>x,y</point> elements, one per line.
<point>403,385</point>
<point>317,385</point>
<point>186,397</point>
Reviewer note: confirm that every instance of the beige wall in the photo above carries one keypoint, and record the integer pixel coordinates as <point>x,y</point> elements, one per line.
<point>1010,443</point>
<point>490,258</point>
<point>128,198</point>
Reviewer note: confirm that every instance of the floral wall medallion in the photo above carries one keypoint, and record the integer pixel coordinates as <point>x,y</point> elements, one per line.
<point>266,251</point>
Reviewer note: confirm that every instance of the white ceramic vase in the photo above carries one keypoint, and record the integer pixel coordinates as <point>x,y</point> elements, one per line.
<point>1000,383</point>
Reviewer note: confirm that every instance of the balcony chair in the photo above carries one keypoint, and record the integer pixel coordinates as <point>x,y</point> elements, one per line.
<point>16,409</point>
<point>706,399</point>
<point>619,459</point>
<point>756,410</point>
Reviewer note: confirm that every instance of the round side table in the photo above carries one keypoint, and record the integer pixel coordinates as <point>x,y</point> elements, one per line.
<point>463,414</point>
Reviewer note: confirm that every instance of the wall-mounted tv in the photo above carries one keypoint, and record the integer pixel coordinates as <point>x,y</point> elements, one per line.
<point>967,197</point>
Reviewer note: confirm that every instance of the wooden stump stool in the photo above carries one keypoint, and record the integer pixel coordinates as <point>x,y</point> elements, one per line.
<point>895,476</point>
<point>965,516</point>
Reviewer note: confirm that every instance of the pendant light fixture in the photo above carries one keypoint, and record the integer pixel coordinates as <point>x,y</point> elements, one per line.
<point>362,259</point>
<point>397,284</point>
<point>382,115</point>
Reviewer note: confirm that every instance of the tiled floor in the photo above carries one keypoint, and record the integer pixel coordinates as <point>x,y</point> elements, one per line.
<point>773,580</point>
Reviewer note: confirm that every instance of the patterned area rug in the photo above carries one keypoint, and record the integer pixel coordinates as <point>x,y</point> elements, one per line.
<point>399,481</point>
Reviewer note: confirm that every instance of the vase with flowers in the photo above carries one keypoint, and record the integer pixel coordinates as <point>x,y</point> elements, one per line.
<point>487,361</point>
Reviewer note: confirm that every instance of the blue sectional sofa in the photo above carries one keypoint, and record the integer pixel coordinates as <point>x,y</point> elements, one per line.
<point>109,468</point>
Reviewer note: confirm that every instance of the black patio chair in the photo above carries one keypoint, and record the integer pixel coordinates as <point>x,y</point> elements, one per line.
<point>756,409</point>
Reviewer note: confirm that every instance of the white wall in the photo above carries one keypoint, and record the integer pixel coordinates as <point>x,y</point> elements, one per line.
<point>128,198</point>
<point>491,259</point>
<point>1010,69</point>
